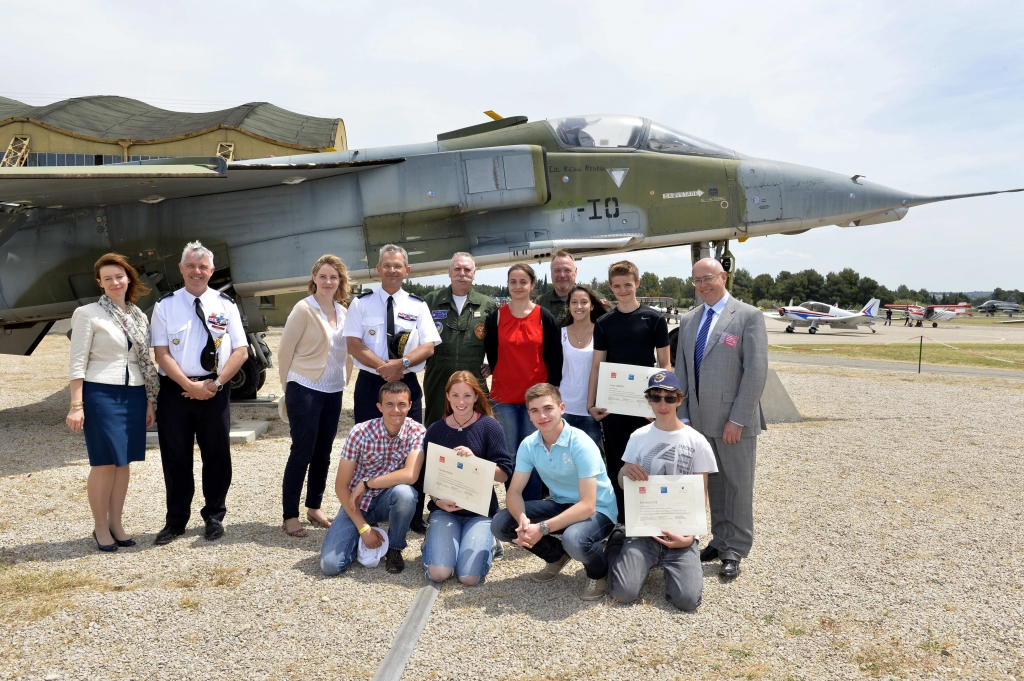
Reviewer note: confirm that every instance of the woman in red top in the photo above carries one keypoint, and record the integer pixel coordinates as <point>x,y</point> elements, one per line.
<point>524,347</point>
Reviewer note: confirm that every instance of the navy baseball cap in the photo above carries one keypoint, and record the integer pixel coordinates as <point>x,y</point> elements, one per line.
<point>664,380</point>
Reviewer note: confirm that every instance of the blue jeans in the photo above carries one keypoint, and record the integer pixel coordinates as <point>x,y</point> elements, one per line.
<point>459,543</point>
<point>582,540</point>
<point>395,506</point>
<point>515,421</point>
<point>587,424</point>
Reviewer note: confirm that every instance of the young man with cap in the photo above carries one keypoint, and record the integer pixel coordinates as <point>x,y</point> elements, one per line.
<point>200,344</point>
<point>665,447</point>
<point>390,336</point>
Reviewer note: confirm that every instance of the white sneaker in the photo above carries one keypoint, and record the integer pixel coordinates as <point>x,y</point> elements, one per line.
<point>595,589</point>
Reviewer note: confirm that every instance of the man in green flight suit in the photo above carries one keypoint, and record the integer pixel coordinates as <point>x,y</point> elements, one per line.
<point>563,278</point>
<point>459,313</point>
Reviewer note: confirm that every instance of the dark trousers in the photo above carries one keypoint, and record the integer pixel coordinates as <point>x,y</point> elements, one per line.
<point>582,540</point>
<point>313,419</point>
<point>616,429</point>
<point>182,423</point>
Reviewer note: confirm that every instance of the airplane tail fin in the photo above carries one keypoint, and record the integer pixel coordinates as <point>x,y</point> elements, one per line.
<point>871,309</point>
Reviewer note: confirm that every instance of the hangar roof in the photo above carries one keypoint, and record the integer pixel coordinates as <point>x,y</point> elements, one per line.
<point>104,118</point>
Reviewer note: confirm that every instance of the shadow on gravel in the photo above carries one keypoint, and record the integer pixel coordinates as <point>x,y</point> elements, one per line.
<point>42,424</point>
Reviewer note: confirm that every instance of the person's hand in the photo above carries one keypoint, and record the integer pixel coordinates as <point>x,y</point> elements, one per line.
<point>529,536</point>
<point>524,522</point>
<point>671,540</point>
<point>732,433</point>
<point>371,539</point>
<point>597,413</point>
<point>485,371</point>
<point>462,450</point>
<point>634,472</point>
<point>76,420</point>
<point>357,493</point>
<point>197,391</point>
<point>446,505</point>
<point>150,414</point>
<point>391,370</point>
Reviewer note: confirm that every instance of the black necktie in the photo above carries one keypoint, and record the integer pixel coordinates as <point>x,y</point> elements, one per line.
<point>208,357</point>
<point>391,328</point>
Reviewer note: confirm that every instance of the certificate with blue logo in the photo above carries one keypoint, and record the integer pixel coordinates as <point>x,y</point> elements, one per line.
<point>466,480</point>
<point>665,502</point>
<point>620,389</point>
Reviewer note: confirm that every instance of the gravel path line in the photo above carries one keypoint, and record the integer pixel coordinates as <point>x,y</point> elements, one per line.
<point>818,359</point>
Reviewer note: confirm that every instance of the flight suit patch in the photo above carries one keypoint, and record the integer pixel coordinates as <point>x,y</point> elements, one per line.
<point>439,314</point>
<point>480,331</point>
<point>476,314</point>
<point>438,326</point>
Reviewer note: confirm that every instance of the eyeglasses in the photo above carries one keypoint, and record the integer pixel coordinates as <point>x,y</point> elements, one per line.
<point>707,279</point>
<point>669,399</point>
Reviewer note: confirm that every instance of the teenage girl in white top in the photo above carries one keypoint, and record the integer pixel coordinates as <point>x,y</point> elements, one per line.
<point>585,308</point>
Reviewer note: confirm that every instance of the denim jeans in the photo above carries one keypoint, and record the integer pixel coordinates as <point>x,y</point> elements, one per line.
<point>515,421</point>
<point>630,560</point>
<point>313,420</point>
<point>460,543</point>
<point>582,540</point>
<point>395,506</point>
<point>587,424</point>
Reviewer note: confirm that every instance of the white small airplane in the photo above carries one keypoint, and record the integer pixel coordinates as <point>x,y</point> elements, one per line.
<point>922,314</point>
<point>814,314</point>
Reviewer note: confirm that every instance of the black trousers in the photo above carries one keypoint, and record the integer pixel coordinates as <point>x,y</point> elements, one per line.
<point>182,422</point>
<point>313,419</point>
<point>616,429</point>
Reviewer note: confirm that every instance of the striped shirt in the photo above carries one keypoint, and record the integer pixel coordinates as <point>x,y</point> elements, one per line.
<point>376,453</point>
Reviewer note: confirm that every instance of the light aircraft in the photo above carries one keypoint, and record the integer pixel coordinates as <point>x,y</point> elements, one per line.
<point>991,307</point>
<point>508,190</point>
<point>933,313</point>
<point>813,315</point>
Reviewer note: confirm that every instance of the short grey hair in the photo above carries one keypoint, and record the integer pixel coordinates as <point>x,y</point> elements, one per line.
<point>391,248</point>
<point>463,254</point>
<point>197,249</point>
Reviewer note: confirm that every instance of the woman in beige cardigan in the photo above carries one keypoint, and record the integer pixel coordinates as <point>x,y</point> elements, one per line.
<point>113,392</point>
<point>311,359</point>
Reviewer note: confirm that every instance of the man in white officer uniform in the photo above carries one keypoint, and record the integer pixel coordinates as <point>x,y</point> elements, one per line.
<point>200,344</point>
<point>390,335</point>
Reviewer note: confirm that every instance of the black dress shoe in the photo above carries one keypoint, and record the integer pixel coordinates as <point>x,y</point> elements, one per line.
<point>418,526</point>
<point>395,561</point>
<point>109,548</point>
<point>730,569</point>
<point>214,530</point>
<point>708,554</point>
<point>167,535</point>
<point>123,543</point>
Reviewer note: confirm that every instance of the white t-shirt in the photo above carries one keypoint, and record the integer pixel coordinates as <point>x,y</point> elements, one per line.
<point>576,363</point>
<point>676,452</point>
<point>460,302</point>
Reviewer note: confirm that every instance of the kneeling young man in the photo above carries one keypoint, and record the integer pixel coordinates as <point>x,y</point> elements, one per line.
<point>666,447</point>
<point>379,464</point>
<point>582,504</point>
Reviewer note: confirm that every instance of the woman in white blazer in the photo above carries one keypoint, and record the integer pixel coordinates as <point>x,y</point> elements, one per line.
<point>311,359</point>
<point>113,392</point>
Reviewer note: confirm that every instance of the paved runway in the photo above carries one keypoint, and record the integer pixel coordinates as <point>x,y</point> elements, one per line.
<point>880,365</point>
<point>945,333</point>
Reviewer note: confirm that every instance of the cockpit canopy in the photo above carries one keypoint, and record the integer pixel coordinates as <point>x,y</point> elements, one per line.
<point>815,307</point>
<point>604,131</point>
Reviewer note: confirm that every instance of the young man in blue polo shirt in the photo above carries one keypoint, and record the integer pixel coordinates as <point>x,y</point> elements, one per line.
<point>581,507</point>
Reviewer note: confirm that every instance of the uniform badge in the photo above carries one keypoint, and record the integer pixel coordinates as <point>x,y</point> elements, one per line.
<point>175,340</point>
<point>439,314</point>
<point>407,317</point>
<point>477,313</point>
<point>438,326</point>
<point>480,331</point>
<point>373,332</point>
<point>660,376</point>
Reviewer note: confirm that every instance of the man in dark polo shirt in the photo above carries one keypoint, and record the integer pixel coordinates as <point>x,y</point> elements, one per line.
<point>563,278</point>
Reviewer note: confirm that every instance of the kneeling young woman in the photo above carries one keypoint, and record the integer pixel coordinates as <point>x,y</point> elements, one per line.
<point>459,541</point>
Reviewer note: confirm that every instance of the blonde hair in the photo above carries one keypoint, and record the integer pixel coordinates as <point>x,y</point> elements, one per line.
<point>341,294</point>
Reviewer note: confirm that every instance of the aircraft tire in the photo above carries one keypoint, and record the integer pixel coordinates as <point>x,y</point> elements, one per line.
<point>812,330</point>
<point>790,329</point>
<point>249,379</point>
<point>935,325</point>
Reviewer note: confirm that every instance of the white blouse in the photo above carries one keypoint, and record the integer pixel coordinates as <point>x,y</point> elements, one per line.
<point>332,380</point>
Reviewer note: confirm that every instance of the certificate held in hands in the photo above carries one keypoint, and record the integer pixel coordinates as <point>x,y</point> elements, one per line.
<point>466,480</point>
<point>620,389</point>
<point>665,502</point>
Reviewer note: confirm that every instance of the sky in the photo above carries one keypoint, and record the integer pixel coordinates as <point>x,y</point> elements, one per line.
<point>925,97</point>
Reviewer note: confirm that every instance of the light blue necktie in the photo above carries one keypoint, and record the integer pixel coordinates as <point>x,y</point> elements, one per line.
<point>698,349</point>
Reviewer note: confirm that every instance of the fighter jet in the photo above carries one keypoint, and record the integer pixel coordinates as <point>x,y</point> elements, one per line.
<point>991,307</point>
<point>813,314</point>
<point>507,190</point>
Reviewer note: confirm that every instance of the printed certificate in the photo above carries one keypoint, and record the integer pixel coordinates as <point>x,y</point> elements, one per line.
<point>620,388</point>
<point>466,480</point>
<point>665,502</point>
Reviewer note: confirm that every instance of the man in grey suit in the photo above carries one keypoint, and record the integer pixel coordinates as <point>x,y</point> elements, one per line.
<point>722,362</point>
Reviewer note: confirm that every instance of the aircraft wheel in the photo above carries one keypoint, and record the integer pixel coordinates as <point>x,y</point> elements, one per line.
<point>872,330</point>
<point>249,379</point>
<point>812,330</point>
<point>789,329</point>
<point>935,325</point>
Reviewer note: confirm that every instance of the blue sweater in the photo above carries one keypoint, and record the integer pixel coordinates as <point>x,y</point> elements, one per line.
<point>485,439</point>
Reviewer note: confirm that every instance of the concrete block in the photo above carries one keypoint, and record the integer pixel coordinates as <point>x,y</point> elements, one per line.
<point>242,433</point>
<point>776,405</point>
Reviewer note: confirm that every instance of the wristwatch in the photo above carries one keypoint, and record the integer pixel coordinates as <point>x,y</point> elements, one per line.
<point>217,384</point>
<point>406,363</point>
<point>544,529</point>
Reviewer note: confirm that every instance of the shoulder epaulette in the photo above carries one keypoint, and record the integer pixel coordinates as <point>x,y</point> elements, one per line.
<point>226,297</point>
<point>365,293</point>
<point>166,295</point>
<point>416,297</point>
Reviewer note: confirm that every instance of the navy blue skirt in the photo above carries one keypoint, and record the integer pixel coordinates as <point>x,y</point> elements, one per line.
<point>115,423</point>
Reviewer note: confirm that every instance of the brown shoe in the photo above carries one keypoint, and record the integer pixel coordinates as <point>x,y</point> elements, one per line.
<point>395,561</point>
<point>595,589</point>
<point>550,570</point>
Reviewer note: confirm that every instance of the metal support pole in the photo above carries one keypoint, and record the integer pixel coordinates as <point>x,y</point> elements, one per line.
<point>920,352</point>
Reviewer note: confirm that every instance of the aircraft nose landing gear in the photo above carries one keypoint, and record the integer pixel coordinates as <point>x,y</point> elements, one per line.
<point>790,329</point>
<point>812,330</point>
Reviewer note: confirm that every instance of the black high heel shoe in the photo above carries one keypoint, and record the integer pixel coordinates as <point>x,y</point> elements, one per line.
<point>109,548</point>
<point>123,543</point>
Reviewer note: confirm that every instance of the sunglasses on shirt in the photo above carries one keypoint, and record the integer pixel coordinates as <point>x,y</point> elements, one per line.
<point>669,399</point>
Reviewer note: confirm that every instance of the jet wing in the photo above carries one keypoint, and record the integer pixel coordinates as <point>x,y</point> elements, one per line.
<point>154,181</point>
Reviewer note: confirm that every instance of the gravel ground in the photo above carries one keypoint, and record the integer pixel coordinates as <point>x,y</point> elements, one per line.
<point>888,532</point>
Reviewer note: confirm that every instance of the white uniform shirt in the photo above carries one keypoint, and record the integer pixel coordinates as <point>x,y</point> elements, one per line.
<point>367,319</point>
<point>332,380</point>
<point>176,326</point>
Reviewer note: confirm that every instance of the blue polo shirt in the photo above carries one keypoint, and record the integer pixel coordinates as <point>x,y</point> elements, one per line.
<point>571,459</point>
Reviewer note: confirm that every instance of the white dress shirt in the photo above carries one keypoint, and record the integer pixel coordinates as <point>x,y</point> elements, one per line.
<point>176,326</point>
<point>332,380</point>
<point>367,319</point>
